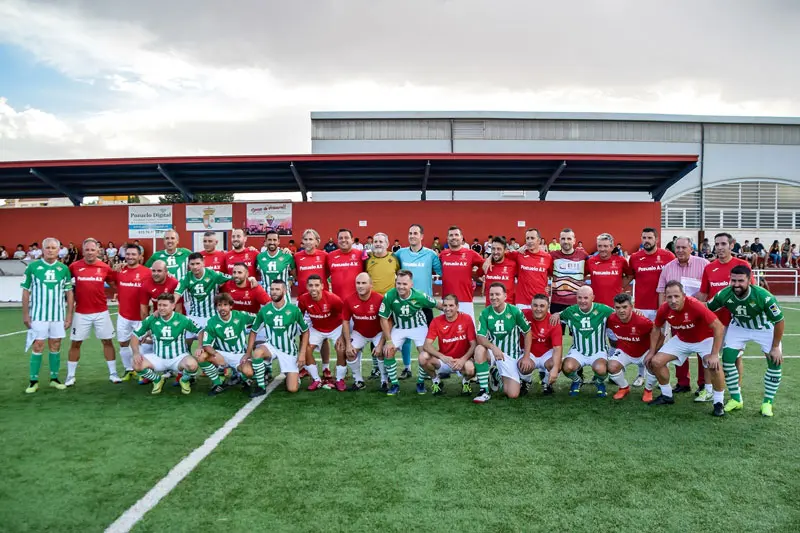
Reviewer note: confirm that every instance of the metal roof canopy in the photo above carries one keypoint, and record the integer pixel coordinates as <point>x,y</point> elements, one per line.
<point>77,179</point>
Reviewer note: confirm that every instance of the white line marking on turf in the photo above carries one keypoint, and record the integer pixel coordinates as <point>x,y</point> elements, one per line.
<point>136,512</point>
<point>792,308</point>
<point>26,331</point>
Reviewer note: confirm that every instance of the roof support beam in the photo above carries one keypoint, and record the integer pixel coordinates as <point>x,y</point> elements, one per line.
<point>74,197</point>
<point>187,194</point>
<point>424,195</point>
<point>299,180</point>
<point>659,191</point>
<point>552,179</point>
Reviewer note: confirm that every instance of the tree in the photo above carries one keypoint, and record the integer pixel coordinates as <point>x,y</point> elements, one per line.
<point>134,199</point>
<point>177,198</point>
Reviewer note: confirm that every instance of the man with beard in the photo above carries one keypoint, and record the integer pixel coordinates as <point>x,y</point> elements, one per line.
<point>459,264</point>
<point>324,311</point>
<point>501,269</point>
<point>241,253</point>
<point>312,261</point>
<point>344,264</point>
<point>129,280</point>
<point>275,263</point>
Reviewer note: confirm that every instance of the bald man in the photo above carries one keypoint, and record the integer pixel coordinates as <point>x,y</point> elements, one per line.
<point>176,259</point>
<point>361,325</point>
<point>587,323</point>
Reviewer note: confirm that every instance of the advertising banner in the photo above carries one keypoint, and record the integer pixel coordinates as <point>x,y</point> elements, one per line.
<point>217,217</point>
<point>277,216</point>
<point>149,221</point>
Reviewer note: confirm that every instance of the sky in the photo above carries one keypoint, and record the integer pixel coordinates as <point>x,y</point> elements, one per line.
<point>90,79</point>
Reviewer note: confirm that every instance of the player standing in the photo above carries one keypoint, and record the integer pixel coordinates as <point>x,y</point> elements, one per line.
<point>324,310</point>
<point>534,268</point>
<point>758,318</point>
<point>313,261</point>
<point>569,266</point>
<point>344,264</point>
<point>499,329</point>
<point>214,259</point>
<point>501,269</point>
<point>455,331</point>
<point>129,280</point>
<point>382,267</point>
<point>631,333</point>
<point>546,346</point>
<point>274,263</point>
<point>610,274</point>
<point>46,284</point>
<point>241,253</point>
<point>362,309</point>
<point>459,263</point>
<point>175,258</point>
<point>91,310</point>
<point>696,330</point>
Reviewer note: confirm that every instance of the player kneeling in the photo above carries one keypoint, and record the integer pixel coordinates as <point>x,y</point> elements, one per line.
<point>457,340</point>
<point>225,342</point>
<point>546,346</point>
<point>168,330</point>
<point>499,329</point>
<point>282,323</point>
<point>631,333</point>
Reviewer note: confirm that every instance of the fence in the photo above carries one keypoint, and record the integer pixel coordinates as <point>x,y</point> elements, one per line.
<point>782,281</point>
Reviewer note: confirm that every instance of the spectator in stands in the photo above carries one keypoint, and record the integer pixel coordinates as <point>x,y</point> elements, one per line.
<point>746,253</point>
<point>786,249</point>
<point>775,253</point>
<point>368,244</point>
<point>736,248</point>
<point>758,252</point>
<point>111,253</point>
<point>671,244</point>
<point>477,247</point>
<point>436,246</point>
<point>292,247</point>
<point>62,252</point>
<point>705,249</point>
<point>3,252</point>
<point>794,257</point>
<point>357,245</point>
<point>20,252</point>
<point>513,244</point>
<point>396,246</point>
<point>554,245</point>
<point>34,252</point>
<point>72,254</point>
<point>620,250</point>
<point>580,246</point>
<point>487,246</point>
<point>330,246</point>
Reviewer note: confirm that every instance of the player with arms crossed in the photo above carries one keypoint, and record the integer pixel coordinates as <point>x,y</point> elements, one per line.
<point>362,309</point>
<point>696,330</point>
<point>175,258</point>
<point>403,319</point>
<point>630,331</point>
<point>46,284</point>
<point>324,310</point>
<point>758,318</point>
<point>282,322</point>
<point>455,331</point>
<point>546,346</point>
<point>129,278</point>
<point>499,329</point>
<point>586,321</point>
<point>168,329</point>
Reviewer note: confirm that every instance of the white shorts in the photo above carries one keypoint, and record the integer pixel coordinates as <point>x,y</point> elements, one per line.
<point>82,325</point>
<point>508,368</point>
<point>145,348</point>
<point>585,360</point>
<point>48,330</point>
<point>737,337</point>
<point>315,337</point>
<point>649,313</point>
<point>233,360</point>
<point>538,362</point>
<point>199,322</point>
<point>416,335</point>
<point>523,307</point>
<point>286,362</point>
<point>468,308</point>
<point>359,341</point>
<point>125,328</point>
<point>162,365</point>
<point>682,350</point>
<point>625,359</point>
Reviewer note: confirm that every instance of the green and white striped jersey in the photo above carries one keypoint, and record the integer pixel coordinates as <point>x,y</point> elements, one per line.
<point>177,263</point>
<point>274,267</point>
<point>406,313</point>
<point>231,335</point>
<point>588,329</point>
<point>757,310</point>
<point>282,326</point>
<point>48,284</point>
<point>503,329</point>
<point>168,334</point>
<point>199,293</point>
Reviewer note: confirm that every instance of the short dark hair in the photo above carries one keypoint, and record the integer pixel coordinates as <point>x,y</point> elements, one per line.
<point>742,269</point>
<point>650,230</point>
<point>314,277</point>
<point>278,281</point>
<point>272,231</point>
<point>421,229</point>
<point>451,296</point>
<point>456,228</point>
<point>500,240</point>
<point>674,283</point>
<point>240,264</point>
<point>538,233</point>
<point>623,298</point>
<point>404,272</point>
<point>210,234</point>
<point>567,230</point>
<point>540,295</point>
<point>344,229</point>
<point>129,246</point>
<point>196,255</point>
<point>168,296</point>
<point>724,234</point>
<point>498,284</point>
<point>223,297</point>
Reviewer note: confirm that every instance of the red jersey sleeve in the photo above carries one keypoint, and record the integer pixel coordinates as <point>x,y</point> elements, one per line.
<point>627,270</point>
<point>337,305</point>
<point>346,314</point>
<point>433,330</point>
<point>144,298</point>
<point>262,297</point>
<point>705,285</point>
<point>477,260</point>
<point>556,336</point>
<point>301,304</point>
<point>471,335</point>
<point>661,315</point>
<point>706,313</point>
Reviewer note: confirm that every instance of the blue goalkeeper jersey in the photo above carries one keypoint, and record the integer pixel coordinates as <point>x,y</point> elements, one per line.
<point>422,265</point>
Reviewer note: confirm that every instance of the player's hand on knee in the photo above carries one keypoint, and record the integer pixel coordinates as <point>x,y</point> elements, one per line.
<point>776,355</point>
<point>388,351</point>
<point>712,362</point>
<point>525,365</point>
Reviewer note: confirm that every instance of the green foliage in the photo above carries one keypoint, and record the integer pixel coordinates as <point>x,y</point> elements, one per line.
<point>177,198</point>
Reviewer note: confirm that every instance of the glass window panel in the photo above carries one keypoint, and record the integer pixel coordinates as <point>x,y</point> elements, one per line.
<point>730,219</point>
<point>750,219</point>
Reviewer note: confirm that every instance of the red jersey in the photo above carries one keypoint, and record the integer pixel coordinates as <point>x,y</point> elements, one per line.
<point>533,271</point>
<point>89,286</point>
<point>457,272</point>
<point>364,314</point>
<point>151,290</point>
<point>309,264</point>
<point>246,299</point>
<point>691,324</point>
<point>646,270</point>
<point>343,268</point>
<point>129,283</point>
<point>326,314</point>
<point>545,335</point>
<point>215,260</point>
<point>633,338</point>
<point>503,272</point>
<point>607,277</point>
<point>454,337</point>
<point>246,256</point>
<point>717,276</point>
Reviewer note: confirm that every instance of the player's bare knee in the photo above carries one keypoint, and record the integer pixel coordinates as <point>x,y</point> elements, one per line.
<point>292,386</point>
<point>55,345</point>
<point>513,394</point>
<point>107,342</point>
<point>38,346</point>
<point>190,364</point>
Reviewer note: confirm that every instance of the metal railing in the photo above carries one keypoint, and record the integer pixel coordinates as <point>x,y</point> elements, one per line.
<point>780,277</point>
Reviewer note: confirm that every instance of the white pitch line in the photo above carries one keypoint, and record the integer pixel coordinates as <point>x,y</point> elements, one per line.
<point>792,308</point>
<point>26,331</point>
<point>136,512</point>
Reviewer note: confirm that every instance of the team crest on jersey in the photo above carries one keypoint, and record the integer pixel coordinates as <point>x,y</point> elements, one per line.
<point>288,313</point>
<point>686,316</point>
<point>594,313</point>
<point>460,328</point>
<point>98,270</point>
<point>753,305</point>
<point>508,315</point>
<point>246,294</point>
<point>371,308</point>
<point>174,322</point>
<point>633,330</point>
<point>235,320</point>
<point>541,331</point>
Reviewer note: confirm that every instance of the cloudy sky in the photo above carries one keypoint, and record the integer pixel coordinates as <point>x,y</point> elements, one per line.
<point>91,78</point>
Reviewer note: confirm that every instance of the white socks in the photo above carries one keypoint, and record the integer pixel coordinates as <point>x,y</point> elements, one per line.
<point>126,354</point>
<point>719,396</point>
<point>649,380</point>
<point>382,368</point>
<point>666,390</point>
<point>112,368</point>
<point>312,371</point>
<point>355,368</point>
<point>619,379</point>
<point>341,372</point>
<point>72,366</point>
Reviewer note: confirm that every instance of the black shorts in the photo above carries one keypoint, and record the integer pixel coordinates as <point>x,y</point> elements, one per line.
<point>428,315</point>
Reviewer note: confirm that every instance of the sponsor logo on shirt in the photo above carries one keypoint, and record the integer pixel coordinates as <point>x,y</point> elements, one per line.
<point>454,339</point>
<point>606,273</point>
<point>656,268</point>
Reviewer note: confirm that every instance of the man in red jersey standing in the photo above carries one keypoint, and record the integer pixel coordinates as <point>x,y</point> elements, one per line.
<point>630,333</point>
<point>502,269</point>
<point>546,346</point>
<point>91,310</point>
<point>241,253</point>
<point>129,280</point>
<point>324,310</point>
<point>213,258</point>
<point>534,268</point>
<point>459,263</point>
<point>610,274</point>
<point>344,264</point>
<point>361,308</point>
<point>313,261</point>
<point>455,332</point>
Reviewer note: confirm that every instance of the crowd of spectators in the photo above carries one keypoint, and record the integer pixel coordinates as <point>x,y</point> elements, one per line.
<point>778,255</point>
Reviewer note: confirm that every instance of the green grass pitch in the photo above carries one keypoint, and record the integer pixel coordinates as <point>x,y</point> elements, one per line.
<point>75,460</point>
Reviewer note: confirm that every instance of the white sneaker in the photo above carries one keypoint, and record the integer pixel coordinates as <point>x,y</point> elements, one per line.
<point>70,382</point>
<point>639,381</point>
<point>482,398</point>
<point>704,396</point>
<point>113,378</point>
